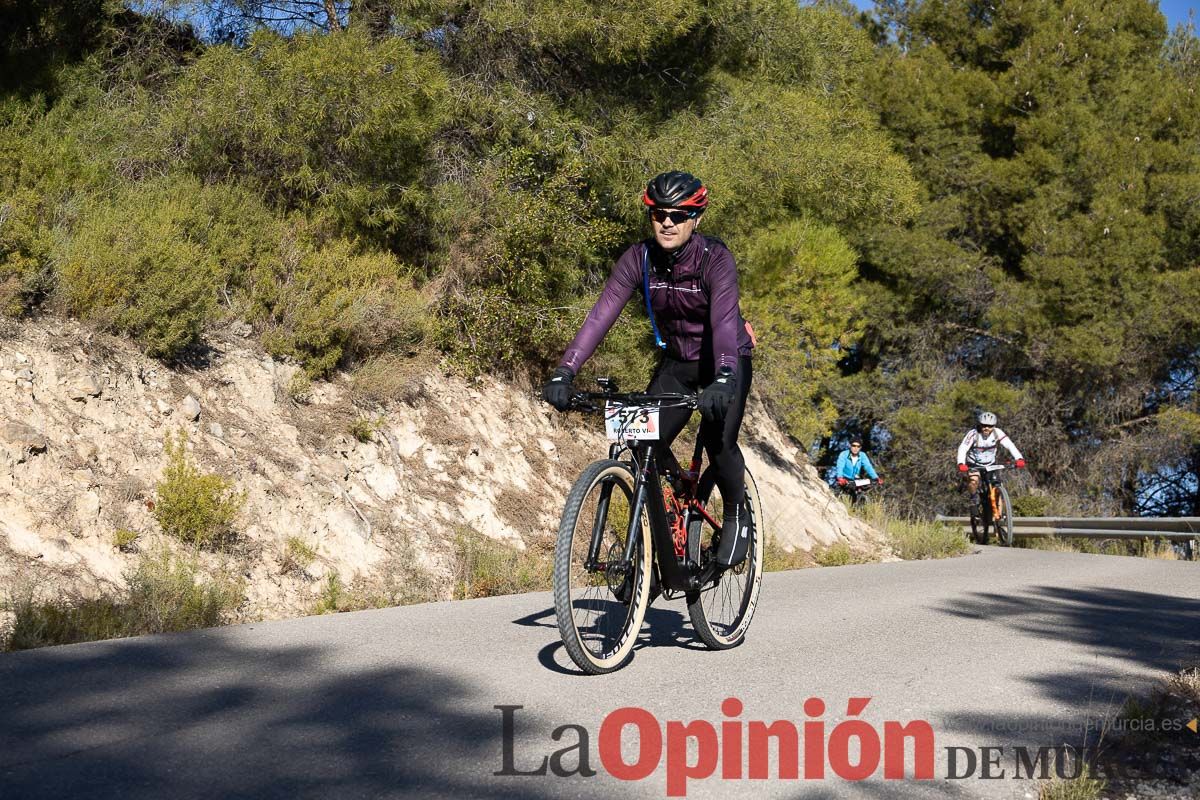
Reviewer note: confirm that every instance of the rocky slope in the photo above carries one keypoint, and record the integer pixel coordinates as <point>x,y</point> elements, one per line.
<point>84,416</point>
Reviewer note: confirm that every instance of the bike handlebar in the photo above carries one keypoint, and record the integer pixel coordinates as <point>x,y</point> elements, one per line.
<point>586,401</point>
<point>991,467</point>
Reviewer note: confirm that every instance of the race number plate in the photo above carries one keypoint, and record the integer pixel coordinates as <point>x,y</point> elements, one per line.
<point>863,482</point>
<point>625,423</point>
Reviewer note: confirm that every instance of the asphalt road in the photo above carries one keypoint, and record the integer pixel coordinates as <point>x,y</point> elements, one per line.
<point>1002,648</point>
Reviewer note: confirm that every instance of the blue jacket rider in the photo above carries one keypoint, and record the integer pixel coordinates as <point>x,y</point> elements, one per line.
<point>852,463</point>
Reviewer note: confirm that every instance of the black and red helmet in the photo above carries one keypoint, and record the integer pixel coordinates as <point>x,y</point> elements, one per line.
<point>676,190</point>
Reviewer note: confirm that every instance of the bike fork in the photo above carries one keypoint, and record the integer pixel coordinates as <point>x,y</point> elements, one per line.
<point>598,526</point>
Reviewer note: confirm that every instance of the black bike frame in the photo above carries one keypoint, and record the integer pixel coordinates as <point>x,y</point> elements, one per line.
<point>672,574</point>
<point>648,497</point>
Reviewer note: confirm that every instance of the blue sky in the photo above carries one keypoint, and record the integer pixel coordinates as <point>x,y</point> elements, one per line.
<point>1176,11</point>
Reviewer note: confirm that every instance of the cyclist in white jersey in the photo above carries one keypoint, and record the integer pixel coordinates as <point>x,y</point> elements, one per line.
<point>978,449</point>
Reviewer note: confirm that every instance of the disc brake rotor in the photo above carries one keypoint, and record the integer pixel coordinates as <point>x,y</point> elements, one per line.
<point>614,570</point>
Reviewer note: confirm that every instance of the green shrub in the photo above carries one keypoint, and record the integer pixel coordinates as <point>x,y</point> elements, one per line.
<point>1030,505</point>
<point>776,559</point>
<point>149,262</point>
<point>297,555</point>
<point>840,554</point>
<point>25,252</point>
<point>299,388</point>
<point>165,593</point>
<point>487,567</point>
<point>913,538</point>
<point>124,539</point>
<point>44,624</point>
<point>322,303</point>
<point>813,266</point>
<point>362,429</point>
<point>336,122</point>
<point>193,506</point>
<point>332,598</point>
<point>523,236</point>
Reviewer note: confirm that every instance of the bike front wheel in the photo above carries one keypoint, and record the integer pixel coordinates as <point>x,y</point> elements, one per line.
<point>722,611</point>
<point>600,598</point>
<point>1004,520</point>
<point>986,520</point>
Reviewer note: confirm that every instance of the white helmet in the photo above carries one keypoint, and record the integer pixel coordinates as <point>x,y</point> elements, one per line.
<point>986,418</point>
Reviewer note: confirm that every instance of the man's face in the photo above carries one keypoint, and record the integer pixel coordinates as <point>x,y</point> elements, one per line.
<point>855,447</point>
<point>673,226</point>
<point>986,430</point>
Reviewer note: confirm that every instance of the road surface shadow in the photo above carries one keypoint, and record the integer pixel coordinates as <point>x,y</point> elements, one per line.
<point>663,627</point>
<point>1149,631</point>
<point>208,718</point>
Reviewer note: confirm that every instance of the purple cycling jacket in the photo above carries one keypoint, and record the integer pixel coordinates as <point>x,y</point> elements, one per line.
<point>698,316</point>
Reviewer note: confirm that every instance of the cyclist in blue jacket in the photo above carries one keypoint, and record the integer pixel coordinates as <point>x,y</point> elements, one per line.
<point>853,462</point>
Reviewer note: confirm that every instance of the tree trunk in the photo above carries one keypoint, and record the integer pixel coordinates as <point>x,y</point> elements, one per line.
<point>332,16</point>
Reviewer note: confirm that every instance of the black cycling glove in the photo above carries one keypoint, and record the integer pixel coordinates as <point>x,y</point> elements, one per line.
<point>715,400</point>
<point>557,391</point>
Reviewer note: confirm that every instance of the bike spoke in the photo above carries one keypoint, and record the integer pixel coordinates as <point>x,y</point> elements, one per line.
<point>721,611</point>
<point>599,613</point>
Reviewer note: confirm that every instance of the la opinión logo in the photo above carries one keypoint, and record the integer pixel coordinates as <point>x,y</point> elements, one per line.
<point>734,748</point>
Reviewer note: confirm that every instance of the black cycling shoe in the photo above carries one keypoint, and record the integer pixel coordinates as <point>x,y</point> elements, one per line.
<point>624,592</point>
<point>735,538</point>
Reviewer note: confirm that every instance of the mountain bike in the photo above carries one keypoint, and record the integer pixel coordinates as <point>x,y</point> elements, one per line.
<point>637,524</point>
<point>990,507</point>
<point>857,490</point>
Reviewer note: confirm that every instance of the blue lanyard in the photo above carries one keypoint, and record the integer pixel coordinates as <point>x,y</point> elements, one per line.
<point>646,290</point>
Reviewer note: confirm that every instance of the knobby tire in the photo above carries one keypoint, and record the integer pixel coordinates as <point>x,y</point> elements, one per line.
<point>600,612</point>
<point>1004,525</point>
<point>721,613</point>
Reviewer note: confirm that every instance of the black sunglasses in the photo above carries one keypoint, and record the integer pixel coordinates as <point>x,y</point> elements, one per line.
<point>678,217</point>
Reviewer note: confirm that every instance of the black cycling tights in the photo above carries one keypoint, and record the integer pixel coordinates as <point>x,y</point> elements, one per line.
<point>719,438</point>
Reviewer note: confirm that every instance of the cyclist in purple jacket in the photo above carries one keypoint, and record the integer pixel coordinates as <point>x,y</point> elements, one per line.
<point>689,283</point>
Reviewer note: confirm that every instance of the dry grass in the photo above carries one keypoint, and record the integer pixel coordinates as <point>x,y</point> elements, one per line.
<point>913,538</point>
<point>297,555</point>
<point>1186,684</point>
<point>1159,549</point>
<point>1150,736</point>
<point>1162,550</point>
<point>777,559</point>
<point>391,378</point>
<point>521,509</point>
<point>487,567</point>
<point>840,554</point>
<point>165,593</point>
<point>1084,787</point>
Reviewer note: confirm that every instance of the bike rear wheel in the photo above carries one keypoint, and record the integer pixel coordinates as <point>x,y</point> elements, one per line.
<point>1004,522</point>
<point>721,612</point>
<point>600,604</point>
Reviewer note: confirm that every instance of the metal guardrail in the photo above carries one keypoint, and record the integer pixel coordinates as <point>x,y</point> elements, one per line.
<point>1177,529</point>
